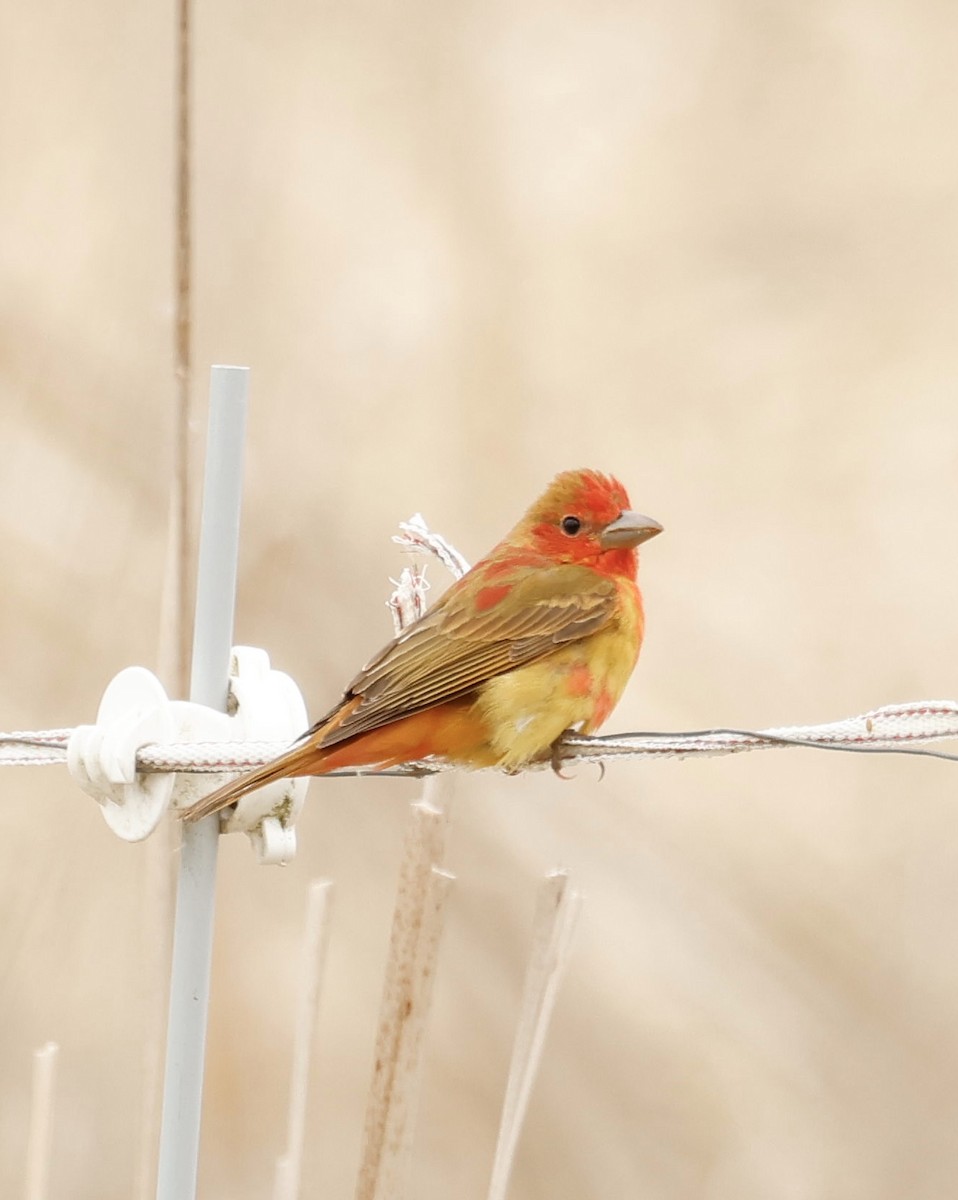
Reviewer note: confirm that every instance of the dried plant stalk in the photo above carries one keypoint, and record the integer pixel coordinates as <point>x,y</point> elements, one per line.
<point>408,602</point>
<point>416,536</point>
<point>158,888</point>
<point>391,1183</point>
<point>290,1165</point>
<point>40,1136</point>
<point>557,910</point>
<point>416,927</point>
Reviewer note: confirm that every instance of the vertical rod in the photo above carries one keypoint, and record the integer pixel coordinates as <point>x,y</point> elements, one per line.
<point>193,931</point>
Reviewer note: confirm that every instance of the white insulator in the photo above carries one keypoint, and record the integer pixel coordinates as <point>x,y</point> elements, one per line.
<point>266,707</point>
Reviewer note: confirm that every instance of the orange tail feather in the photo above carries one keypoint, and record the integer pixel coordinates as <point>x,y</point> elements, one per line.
<point>452,731</point>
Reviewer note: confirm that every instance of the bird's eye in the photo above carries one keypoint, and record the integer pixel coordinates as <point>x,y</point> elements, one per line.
<point>570,525</point>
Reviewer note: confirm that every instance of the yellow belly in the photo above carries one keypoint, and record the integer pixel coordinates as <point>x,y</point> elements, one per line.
<point>576,686</point>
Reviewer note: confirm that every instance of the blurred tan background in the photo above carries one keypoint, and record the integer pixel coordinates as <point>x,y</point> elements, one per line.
<point>712,248</point>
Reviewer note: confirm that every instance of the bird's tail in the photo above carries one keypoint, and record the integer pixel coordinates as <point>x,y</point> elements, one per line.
<point>301,755</point>
<point>446,731</point>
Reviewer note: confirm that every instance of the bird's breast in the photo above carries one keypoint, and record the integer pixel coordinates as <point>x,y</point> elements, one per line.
<point>575,686</point>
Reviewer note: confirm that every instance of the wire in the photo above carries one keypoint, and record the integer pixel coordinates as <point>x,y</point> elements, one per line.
<point>756,741</point>
<point>884,730</point>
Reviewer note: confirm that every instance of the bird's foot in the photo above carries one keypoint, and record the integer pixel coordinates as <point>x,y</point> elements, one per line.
<point>555,759</point>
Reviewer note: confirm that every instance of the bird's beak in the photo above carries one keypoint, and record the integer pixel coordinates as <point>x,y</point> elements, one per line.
<point>628,530</point>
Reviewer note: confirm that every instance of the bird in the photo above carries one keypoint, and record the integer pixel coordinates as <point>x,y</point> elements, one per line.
<point>539,638</point>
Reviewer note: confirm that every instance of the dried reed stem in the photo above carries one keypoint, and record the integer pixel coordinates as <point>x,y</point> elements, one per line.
<point>290,1165</point>
<point>557,910</point>
<point>404,1100</point>
<point>417,923</point>
<point>157,938</point>
<point>182,347</point>
<point>40,1136</point>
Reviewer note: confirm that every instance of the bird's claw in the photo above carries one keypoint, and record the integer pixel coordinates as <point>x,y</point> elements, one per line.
<point>555,760</point>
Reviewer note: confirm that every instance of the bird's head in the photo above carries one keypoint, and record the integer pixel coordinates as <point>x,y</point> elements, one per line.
<point>584,517</point>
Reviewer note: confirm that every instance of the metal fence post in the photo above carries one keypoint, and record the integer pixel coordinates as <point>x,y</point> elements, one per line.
<point>193,930</point>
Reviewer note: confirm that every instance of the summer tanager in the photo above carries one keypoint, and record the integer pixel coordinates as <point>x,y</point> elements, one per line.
<point>538,638</point>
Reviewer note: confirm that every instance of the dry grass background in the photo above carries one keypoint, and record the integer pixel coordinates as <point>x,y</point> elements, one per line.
<point>710,247</point>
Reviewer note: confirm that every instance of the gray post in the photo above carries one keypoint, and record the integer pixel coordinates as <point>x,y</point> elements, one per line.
<point>193,931</point>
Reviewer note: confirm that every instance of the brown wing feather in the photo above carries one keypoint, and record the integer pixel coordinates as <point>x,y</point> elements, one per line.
<point>453,649</point>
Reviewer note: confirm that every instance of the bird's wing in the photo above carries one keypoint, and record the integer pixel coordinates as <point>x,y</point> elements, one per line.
<point>457,645</point>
